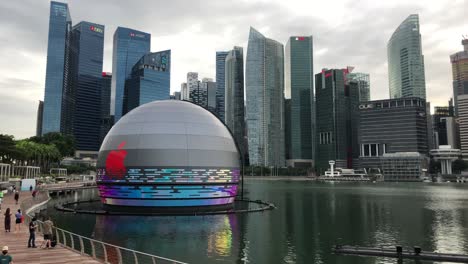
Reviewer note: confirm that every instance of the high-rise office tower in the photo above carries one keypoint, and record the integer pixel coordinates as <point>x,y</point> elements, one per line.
<point>460,72</point>
<point>299,87</point>
<point>149,81</point>
<point>220,82</point>
<point>129,46</point>
<point>192,82</point>
<point>176,96</point>
<point>86,58</point>
<point>55,96</point>
<point>184,92</point>
<point>265,100</point>
<point>40,111</point>
<point>106,118</point>
<point>210,86</point>
<point>463,122</point>
<point>234,115</point>
<point>406,61</point>
<point>362,80</point>
<point>336,103</point>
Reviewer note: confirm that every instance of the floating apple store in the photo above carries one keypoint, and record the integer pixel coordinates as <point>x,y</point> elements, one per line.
<point>168,154</point>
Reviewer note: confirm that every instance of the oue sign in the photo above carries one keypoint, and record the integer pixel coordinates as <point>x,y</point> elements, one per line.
<point>366,106</point>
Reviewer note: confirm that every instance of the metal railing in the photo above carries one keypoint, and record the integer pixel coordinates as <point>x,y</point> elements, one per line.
<point>68,185</point>
<point>98,250</point>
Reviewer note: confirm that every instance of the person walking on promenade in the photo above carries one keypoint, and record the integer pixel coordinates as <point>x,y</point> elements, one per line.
<point>48,233</point>
<point>34,194</point>
<point>18,217</point>
<point>30,188</point>
<point>4,257</point>
<point>32,233</point>
<point>16,197</point>
<point>7,220</point>
<point>10,189</point>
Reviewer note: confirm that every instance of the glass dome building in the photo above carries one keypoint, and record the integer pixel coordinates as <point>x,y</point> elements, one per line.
<point>167,154</point>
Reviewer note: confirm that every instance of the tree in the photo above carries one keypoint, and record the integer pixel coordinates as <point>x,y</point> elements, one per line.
<point>64,143</point>
<point>459,165</point>
<point>8,150</point>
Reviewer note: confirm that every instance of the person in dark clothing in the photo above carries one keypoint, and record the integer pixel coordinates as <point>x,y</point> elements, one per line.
<point>7,220</point>
<point>30,188</point>
<point>16,197</point>
<point>32,233</point>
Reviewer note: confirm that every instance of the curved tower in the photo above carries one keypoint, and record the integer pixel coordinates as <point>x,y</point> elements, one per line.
<point>406,61</point>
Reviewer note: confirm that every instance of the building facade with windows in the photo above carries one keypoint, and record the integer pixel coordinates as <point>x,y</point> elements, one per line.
<point>391,126</point>
<point>129,46</point>
<point>58,101</point>
<point>265,100</point>
<point>106,118</point>
<point>460,72</point>
<point>220,82</point>
<point>463,123</point>
<point>362,80</point>
<point>149,81</point>
<point>336,119</point>
<point>87,47</point>
<point>234,98</point>
<point>299,88</point>
<point>406,61</point>
<point>40,112</point>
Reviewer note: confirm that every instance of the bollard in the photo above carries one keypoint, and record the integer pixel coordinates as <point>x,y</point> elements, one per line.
<point>399,250</point>
<point>417,250</point>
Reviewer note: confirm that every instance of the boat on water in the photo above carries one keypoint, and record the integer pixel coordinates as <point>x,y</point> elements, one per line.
<point>340,174</point>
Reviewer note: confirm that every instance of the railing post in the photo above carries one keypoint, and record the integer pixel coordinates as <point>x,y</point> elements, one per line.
<point>81,245</point>
<point>57,236</point>
<point>135,256</point>
<point>64,239</point>
<point>72,241</point>
<point>119,256</point>
<point>105,253</point>
<point>93,249</point>
<point>154,260</point>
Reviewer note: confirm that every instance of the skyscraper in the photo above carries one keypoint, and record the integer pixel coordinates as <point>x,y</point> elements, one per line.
<point>106,118</point>
<point>192,83</point>
<point>40,111</point>
<point>463,121</point>
<point>336,119</point>
<point>234,97</point>
<point>150,80</point>
<point>362,80</point>
<point>265,100</point>
<point>299,87</point>
<point>460,72</point>
<point>406,61</point>
<point>220,82</point>
<point>184,92</point>
<point>87,46</point>
<point>176,96</point>
<point>210,86</point>
<point>129,46</point>
<point>56,70</point>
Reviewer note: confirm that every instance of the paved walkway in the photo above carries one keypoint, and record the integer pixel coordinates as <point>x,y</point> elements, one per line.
<point>18,242</point>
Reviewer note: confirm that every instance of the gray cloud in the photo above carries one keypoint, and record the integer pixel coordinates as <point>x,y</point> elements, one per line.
<point>345,33</point>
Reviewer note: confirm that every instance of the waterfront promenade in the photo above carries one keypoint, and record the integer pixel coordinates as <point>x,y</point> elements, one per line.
<point>18,242</point>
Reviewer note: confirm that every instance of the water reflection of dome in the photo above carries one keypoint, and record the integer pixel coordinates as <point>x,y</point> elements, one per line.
<point>168,154</point>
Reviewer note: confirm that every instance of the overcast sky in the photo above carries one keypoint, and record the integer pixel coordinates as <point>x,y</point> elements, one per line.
<point>345,33</point>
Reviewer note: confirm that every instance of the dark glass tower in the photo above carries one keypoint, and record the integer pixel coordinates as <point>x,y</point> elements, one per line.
<point>56,69</point>
<point>336,119</point>
<point>40,112</point>
<point>234,97</point>
<point>87,45</point>
<point>220,82</point>
<point>150,80</point>
<point>129,46</point>
<point>106,119</point>
<point>299,87</point>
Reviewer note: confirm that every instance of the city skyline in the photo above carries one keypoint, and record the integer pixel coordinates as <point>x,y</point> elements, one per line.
<point>194,41</point>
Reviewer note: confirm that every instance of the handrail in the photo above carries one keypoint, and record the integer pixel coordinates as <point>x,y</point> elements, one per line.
<point>98,250</point>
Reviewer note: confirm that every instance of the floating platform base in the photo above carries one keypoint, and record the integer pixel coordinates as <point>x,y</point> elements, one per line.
<point>240,206</point>
<point>394,253</point>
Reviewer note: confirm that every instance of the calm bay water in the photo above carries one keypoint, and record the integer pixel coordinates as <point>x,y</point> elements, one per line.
<point>310,218</point>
